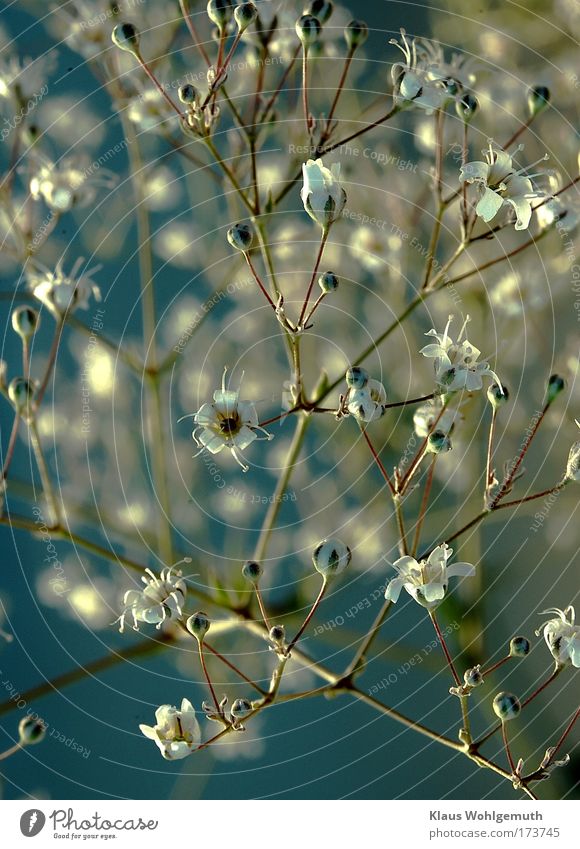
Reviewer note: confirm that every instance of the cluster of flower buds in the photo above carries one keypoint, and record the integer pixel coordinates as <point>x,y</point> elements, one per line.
<point>200,119</point>
<point>365,399</point>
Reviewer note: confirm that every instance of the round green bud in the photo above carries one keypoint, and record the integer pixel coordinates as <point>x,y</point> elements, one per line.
<point>355,34</point>
<point>473,677</point>
<point>25,321</point>
<point>308,30</point>
<point>241,236</point>
<point>438,442</point>
<point>21,392</point>
<point>220,12</point>
<point>506,706</point>
<point>245,15</point>
<point>31,730</point>
<point>252,571</point>
<point>356,377</point>
<point>277,634</point>
<point>555,386</point>
<point>497,395</point>
<point>519,646</point>
<point>126,37</point>
<point>331,557</point>
<point>538,99</point>
<point>467,106</point>
<point>241,708</point>
<point>320,9</point>
<point>198,625</point>
<point>328,282</point>
<point>187,94</point>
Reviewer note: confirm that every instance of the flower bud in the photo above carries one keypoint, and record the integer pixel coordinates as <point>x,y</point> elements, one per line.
<point>252,571</point>
<point>355,34</point>
<point>519,646</point>
<point>555,386</point>
<point>473,677</point>
<point>245,15</point>
<point>25,322</point>
<point>438,442</point>
<point>308,30</point>
<point>538,99</point>
<point>320,9</point>
<point>198,625</point>
<point>331,557</point>
<point>277,635</point>
<point>241,236</point>
<point>187,94</point>
<point>220,12</point>
<point>328,282</point>
<point>126,37</point>
<point>497,395</point>
<point>467,106</point>
<point>357,377</point>
<point>241,708</point>
<point>506,706</point>
<point>21,393</point>
<point>31,730</point>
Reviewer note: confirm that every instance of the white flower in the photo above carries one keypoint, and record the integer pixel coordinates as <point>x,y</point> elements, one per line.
<point>322,195</point>
<point>562,636</point>
<point>67,183</point>
<point>63,293</point>
<point>176,732</point>
<point>423,79</point>
<point>162,599</point>
<point>456,365</point>
<point>426,581</point>
<point>500,183</point>
<point>426,415</point>
<point>22,80</point>
<point>149,110</point>
<point>227,423</point>
<point>368,403</point>
<point>573,464</point>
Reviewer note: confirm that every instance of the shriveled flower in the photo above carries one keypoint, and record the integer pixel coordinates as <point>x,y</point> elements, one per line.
<point>162,599</point>
<point>70,182</point>
<point>500,183</point>
<point>573,464</point>
<point>426,580</point>
<point>562,636</point>
<point>367,404</point>
<point>425,79</point>
<point>176,732</point>
<point>456,363</point>
<point>322,194</point>
<point>63,293</point>
<point>227,423</point>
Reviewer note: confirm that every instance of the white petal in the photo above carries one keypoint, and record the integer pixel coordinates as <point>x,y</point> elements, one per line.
<point>394,588</point>
<point>244,438</point>
<point>226,402</point>
<point>489,205</point>
<point>149,732</point>
<point>474,171</point>
<point>464,570</point>
<point>211,441</point>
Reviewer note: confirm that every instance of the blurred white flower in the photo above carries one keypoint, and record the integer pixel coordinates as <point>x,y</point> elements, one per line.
<point>427,580</point>
<point>161,599</point>
<point>413,80</point>
<point>501,183</point>
<point>21,79</point>
<point>149,110</point>
<point>426,415</point>
<point>176,732</point>
<point>368,403</point>
<point>63,293</point>
<point>562,636</point>
<point>227,423</point>
<point>322,195</point>
<point>573,464</point>
<point>456,365</point>
<point>73,181</point>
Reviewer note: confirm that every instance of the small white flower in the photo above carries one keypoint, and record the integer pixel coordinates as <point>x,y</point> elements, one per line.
<point>573,464</point>
<point>63,293</point>
<point>426,415</point>
<point>426,581</point>
<point>562,636</point>
<point>422,79</point>
<point>149,110</point>
<point>322,195</point>
<point>227,423</point>
<point>176,732</point>
<point>162,599</point>
<point>67,183</point>
<point>456,363</point>
<point>367,404</point>
<point>501,183</point>
<point>22,80</point>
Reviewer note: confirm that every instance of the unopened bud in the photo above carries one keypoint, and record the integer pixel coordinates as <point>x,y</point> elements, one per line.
<point>126,37</point>
<point>245,15</point>
<point>308,30</point>
<point>220,12</point>
<point>31,730</point>
<point>198,625</point>
<point>356,377</point>
<point>506,706</point>
<point>187,94</point>
<point>331,557</point>
<point>252,571</point>
<point>328,282</point>
<point>438,442</point>
<point>555,386</point>
<point>356,33</point>
<point>538,99</point>
<point>497,395</point>
<point>21,393</point>
<point>320,9</point>
<point>467,106</point>
<point>519,646</point>
<point>25,321</point>
<point>241,236</point>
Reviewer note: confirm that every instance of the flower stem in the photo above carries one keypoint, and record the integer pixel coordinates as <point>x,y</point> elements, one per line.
<point>444,647</point>
<point>50,364</point>
<point>507,747</point>
<point>323,240</point>
<point>207,678</point>
<point>313,609</point>
<point>256,277</point>
<point>377,459</point>
<point>11,751</point>
<point>424,503</point>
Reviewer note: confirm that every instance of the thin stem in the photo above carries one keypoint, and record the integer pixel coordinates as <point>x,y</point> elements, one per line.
<point>318,301</point>
<point>185,11</point>
<point>11,446</point>
<point>519,131</point>
<point>262,606</point>
<point>377,459</point>
<point>234,668</point>
<point>506,485</point>
<point>276,94</point>
<point>157,84</point>
<point>307,117</point>
<point>543,494</point>
<point>11,751</point>
<point>424,503</point>
<point>256,277</point>
<point>507,747</point>
<point>207,678</point>
<point>343,76</point>
<point>567,730</point>
<point>403,547</point>
<point>323,240</point>
<point>431,250</point>
<point>229,174</point>
<point>41,463</point>
<point>369,639</point>
<point>490,669</point>
<point>444,647</point>
<point>313,609</point>
<point>50,364</point>
<point>489,475</point>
